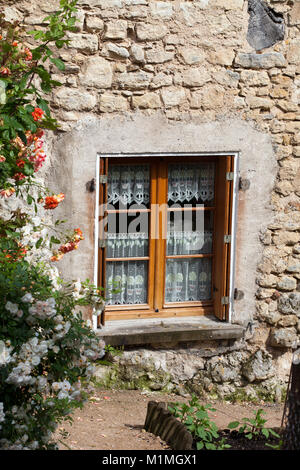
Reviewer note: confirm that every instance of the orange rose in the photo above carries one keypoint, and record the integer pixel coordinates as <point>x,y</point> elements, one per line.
<point>37,114</point>
<point>51,202</point>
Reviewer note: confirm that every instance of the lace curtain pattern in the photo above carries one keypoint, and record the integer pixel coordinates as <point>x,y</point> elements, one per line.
<point>127,245</point>
<point>188,182</point>
<point>185,243</point>
<point>128,185</point>
<point>188,280</point>
<point>130,279</point>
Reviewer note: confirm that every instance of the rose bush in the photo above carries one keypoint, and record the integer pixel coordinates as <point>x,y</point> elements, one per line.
<point>47,349</point>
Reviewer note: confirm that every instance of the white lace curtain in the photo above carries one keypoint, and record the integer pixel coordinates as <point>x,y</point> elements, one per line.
<point>127,245</point>
<point>130,279</point>
<point>188,280</point>
<point>128,185</point>
<point>193,242</point>
<point>187,182</point>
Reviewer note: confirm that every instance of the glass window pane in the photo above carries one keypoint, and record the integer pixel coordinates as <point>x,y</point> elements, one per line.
<point>130,279</point>
<point>188,280</point>
<point>127,235</point>
<point>128,185</point>
<point>190,232</point>
<point>191,183</point>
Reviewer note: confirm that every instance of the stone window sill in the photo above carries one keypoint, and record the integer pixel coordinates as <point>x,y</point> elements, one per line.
<point>168,330</point>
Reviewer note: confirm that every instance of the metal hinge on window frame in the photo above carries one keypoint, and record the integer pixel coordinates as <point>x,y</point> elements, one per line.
<point>103,179</point>
<point>227,238</point>
<point>230,176</point>
<point>101,243</point>
<point>225,300</point>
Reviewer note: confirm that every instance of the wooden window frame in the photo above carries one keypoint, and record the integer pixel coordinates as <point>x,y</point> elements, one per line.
<point>223,210</point>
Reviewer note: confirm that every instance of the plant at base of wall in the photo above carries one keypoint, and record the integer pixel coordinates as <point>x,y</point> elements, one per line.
<point>195,417</point>
<point>253,428</point>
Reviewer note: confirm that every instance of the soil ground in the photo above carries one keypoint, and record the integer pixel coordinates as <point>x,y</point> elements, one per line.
<point>114,420</point>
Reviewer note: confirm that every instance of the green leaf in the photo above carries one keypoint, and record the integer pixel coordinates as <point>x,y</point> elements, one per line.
<point>55,240</point>
<point>265,432</point>
<point>273,433</point>
<point>58,62</point>
<point>233,424</point>
<point>43,105</point>
<point>200,445</point>
<point>39,242</point>
<point>210,446</point>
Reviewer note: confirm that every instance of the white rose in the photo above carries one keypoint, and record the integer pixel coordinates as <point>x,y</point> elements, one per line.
<point>27,298</point>
<point>36,221</point>
<point>12,308</point>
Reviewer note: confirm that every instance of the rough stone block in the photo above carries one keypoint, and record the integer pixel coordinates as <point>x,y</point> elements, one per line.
<point>94,23</point>
<point>258,367</point>
<point>191,56</point>
<point>96,73</point>
<point>172,96</point>
<point>158,57</point>
<point>288,320</point>
<point>147,101</point>
<point>254,78</point>
<point>118,51</point>
<point>289,303</point>
<point>211,96</point>
<point>134,80</point>
<point>149,32</point>
<point>137,54</point>
<point>74,100</point>
<point>83,42</point>
<point>228,4</point>
<point>283,337</point>
<point>260,61</point>
<point>293,54</point>
<point>161,10</point>
<point>287,283</point>
<point>221,56</point>
<point>113,103</point>
<point>116,30</point>
<point>259,102</point>
<point>195,77</point>
<point>161,79</point>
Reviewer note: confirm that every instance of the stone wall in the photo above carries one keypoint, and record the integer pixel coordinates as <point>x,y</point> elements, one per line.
<point>193,63</point>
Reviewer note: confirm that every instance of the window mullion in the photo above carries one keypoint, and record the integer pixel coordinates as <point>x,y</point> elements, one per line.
<point>161,230</point>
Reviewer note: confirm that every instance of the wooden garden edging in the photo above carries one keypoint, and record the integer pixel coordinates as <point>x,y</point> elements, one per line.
<point>160,422</point>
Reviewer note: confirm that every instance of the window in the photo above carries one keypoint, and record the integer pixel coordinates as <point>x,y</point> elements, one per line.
<point>165,229</point>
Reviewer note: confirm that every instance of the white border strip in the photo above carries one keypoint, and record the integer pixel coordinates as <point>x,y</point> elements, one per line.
<point>233,234</point>
<point>96,231</point>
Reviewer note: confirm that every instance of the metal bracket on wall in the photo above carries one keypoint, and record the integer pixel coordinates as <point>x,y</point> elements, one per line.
<point>244,184</point>
<point>91,185</point>
<point>238,294</point>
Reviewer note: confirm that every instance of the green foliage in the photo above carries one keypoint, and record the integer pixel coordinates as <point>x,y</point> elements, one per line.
<point>68,345</point>
<point>254,428</point>
<point>197,420</point>
<point>20,94</point>
<point>47,349</point>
